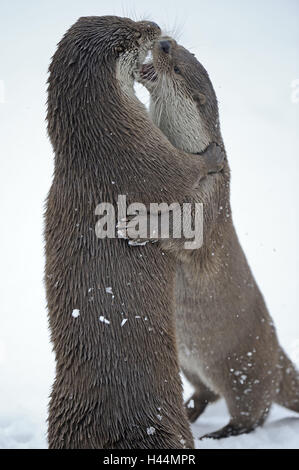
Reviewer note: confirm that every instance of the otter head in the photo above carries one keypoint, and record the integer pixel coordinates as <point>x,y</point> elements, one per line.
<point>93,66</point>
<point>183,101</point>
<point>96,51</point>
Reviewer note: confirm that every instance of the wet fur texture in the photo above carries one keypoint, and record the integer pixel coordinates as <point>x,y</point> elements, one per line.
<point>227,341</point>
<point>116,386</point>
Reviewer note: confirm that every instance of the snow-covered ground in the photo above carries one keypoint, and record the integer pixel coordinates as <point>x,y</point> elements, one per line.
<point>20,430</point>
<point>250,49</point>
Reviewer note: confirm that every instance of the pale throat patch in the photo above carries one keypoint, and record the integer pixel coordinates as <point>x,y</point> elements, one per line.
<point>126,65</point>
<point>179,119</point>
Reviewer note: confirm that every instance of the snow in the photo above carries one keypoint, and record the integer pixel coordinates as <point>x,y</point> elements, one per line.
<point>252,59</point>
<point>191,404</point>
<point>151,431</point>
<point>281,430</point>
<point>20,431</point>
<point>75,313</point>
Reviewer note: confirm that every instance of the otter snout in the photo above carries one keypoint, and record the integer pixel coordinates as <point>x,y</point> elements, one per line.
<point>165,46</point>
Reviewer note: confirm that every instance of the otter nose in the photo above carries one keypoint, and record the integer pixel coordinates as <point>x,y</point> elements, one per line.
<point>165,46</point>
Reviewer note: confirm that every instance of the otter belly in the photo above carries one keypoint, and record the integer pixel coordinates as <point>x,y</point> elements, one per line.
<point>191,363</point>
<point>196,343</point>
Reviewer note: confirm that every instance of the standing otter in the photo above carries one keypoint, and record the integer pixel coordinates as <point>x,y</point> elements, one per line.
<point>117,383</point>
<point>227,341</point>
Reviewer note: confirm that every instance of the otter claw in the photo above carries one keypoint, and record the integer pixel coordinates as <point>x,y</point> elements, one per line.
<point>137,243</point>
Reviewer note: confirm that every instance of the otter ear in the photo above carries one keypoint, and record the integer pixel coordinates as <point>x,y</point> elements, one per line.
<point>200,98</point>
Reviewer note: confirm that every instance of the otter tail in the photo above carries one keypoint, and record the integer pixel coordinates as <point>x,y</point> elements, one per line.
<point>288,395</point>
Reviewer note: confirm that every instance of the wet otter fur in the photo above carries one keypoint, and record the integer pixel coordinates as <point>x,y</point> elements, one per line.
<point>117,385</point>
<point>227,341</point>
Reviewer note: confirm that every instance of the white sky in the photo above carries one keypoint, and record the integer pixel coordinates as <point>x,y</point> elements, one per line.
<point>250,49</point>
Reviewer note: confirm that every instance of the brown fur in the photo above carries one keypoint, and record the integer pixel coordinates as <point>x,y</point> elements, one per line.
<point>227,341</point>
<point>112,383</point>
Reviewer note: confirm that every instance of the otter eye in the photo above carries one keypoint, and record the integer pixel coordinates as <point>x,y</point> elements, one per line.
<point>176,69</point>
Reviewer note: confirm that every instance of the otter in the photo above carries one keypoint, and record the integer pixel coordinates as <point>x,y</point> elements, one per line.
<point>227,341</point>
<point>117,383</point>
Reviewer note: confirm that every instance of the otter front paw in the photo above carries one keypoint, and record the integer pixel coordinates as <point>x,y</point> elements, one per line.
<point>135,228</point>
<point>214,158</point>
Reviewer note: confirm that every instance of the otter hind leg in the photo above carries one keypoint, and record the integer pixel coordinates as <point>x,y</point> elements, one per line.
<point>288,395</point>
<point>241,422</point>
<point>202,396</point>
